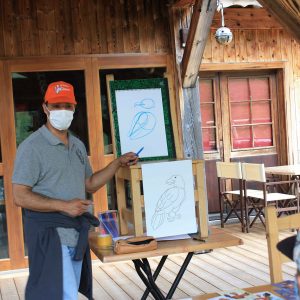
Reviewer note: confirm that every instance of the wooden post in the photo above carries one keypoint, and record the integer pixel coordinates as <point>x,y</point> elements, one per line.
<point>136,201</point>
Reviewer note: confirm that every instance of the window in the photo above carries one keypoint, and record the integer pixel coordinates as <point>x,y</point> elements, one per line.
<point>207,108</point>
<point>250,112</point>
<point>3,224</point>
<point>28,91</point>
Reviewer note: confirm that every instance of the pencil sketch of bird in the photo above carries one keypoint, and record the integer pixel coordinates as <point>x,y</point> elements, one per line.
<point>169,203</point>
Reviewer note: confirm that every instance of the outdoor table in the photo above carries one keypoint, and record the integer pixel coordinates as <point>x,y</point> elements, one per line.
<point>218,238</point>
<point>254,289</point>
<point>293,171</point>
<point>288,170</point>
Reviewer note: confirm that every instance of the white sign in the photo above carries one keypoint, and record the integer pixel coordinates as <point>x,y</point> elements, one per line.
<point>169,198</point>
<point>141,122</point>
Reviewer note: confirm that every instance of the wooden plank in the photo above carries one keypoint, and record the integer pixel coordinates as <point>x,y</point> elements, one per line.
<point>29,29</point>
<point>217,238</point>
<point>229,50</point>
<point>11,28</point>
<point>160,16</point>
<point>242,66</point>
<point>63,25</point>
<point>261,288</point>
<point>205,274</point>
<point>131,27</point>
<point>190,280</point>
<point>109,285</point>
<point>286,12</point>
<point>198,34</point>
<point>98,291</point>
<point>7,131</point>
<point>2,48</point>
<point>232,269</point>
<point>246,18</point>
<point>80,22</point>
<point>146,35</point>
<point>167,278</point>
<point>208,51</point>
<point>251,45</point>
<point>101,38</point>
<point>20,283</point>
<point>129,271</point>
<point>45,11</point>
<point>94,117</point>
<point>133,290</point>
<point>136,203</point>
<point>8,289</point>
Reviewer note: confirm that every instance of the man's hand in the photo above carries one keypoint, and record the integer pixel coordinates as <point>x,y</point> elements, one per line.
<point>128,159</point>
<point>76,207</point>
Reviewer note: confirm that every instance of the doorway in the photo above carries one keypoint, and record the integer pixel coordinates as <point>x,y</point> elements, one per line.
<point>240,121</point>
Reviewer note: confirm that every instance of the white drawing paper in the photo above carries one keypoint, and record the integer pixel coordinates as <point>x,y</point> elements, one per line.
<point>141,122</point>
<point>169,198</point>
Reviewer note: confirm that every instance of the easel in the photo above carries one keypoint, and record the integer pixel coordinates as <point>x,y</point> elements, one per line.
<point>135,215</point>
<point>134,175</point>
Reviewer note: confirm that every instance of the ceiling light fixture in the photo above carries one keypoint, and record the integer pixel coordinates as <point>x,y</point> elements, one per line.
<point>223,34</point>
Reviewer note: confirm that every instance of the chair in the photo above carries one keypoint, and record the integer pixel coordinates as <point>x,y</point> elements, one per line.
<point>257,200</point>
<point>232,198</point>
<point>273,226</point>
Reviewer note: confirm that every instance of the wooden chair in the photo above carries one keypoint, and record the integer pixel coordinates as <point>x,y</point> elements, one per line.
<point>273,226</point>
<point>257,200</point>
<point>232,197</point>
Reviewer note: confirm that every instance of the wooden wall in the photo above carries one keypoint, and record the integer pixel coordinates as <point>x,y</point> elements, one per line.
<point>259,42</point>
<point>68,27</point>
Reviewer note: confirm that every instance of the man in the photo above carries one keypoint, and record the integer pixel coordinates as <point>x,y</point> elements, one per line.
<point>51,177</point>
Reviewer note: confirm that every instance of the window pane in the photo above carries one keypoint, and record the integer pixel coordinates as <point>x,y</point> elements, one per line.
<point>263,136</point>
<point>29,89</point>
<point>238,89</point>
<point>240,113</point>
<point>241,137</point>
<point>3,224</point>
<point>261,112</point>
<point>208,115</point>
<point>206,90</point>
<point>259,88</point>
<point>209,139</point>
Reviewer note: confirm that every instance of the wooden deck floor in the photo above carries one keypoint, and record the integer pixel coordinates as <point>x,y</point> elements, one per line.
<point>241,266</point>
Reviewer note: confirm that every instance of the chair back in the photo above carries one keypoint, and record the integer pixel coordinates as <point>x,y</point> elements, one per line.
<point>273,226</point>
<point>230,170</point>
<point>253,172</point>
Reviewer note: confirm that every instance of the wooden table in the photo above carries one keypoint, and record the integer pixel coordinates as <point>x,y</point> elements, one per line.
<point>289,170</point>
<point>255,289</point>
<point>218,238</point>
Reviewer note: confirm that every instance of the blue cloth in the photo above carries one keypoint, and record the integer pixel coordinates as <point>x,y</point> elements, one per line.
<point>45,255</point>
<point>71,273</point>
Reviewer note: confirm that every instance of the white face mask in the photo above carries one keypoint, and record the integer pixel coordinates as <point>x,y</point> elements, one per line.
<point>60,119</point>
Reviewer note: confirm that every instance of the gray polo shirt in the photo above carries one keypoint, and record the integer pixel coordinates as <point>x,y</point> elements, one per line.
<point>44,163</point>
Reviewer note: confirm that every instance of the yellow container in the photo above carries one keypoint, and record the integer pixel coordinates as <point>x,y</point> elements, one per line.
<point>104,241</point>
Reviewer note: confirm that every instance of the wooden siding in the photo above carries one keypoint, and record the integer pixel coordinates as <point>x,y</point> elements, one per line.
<point>259,42</point>
<point>223,269</point>
<point>42,28</point>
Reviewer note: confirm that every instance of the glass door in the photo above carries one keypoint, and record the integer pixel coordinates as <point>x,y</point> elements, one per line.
<point>25,82</point>
<point>238,122</point>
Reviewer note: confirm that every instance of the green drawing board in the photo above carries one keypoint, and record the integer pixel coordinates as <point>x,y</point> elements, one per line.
<point>142,119</point>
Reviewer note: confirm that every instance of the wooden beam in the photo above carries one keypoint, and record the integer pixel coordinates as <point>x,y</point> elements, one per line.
<point>202,17</point>
<point>183,3</point>
<point>287,13</point>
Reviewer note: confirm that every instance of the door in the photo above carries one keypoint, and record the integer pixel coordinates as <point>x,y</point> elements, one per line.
<point>239,122</point>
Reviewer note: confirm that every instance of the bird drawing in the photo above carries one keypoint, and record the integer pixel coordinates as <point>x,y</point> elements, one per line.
<point>169,203</point>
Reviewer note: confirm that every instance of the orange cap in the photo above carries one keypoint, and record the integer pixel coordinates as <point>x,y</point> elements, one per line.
<point>60,92</point>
